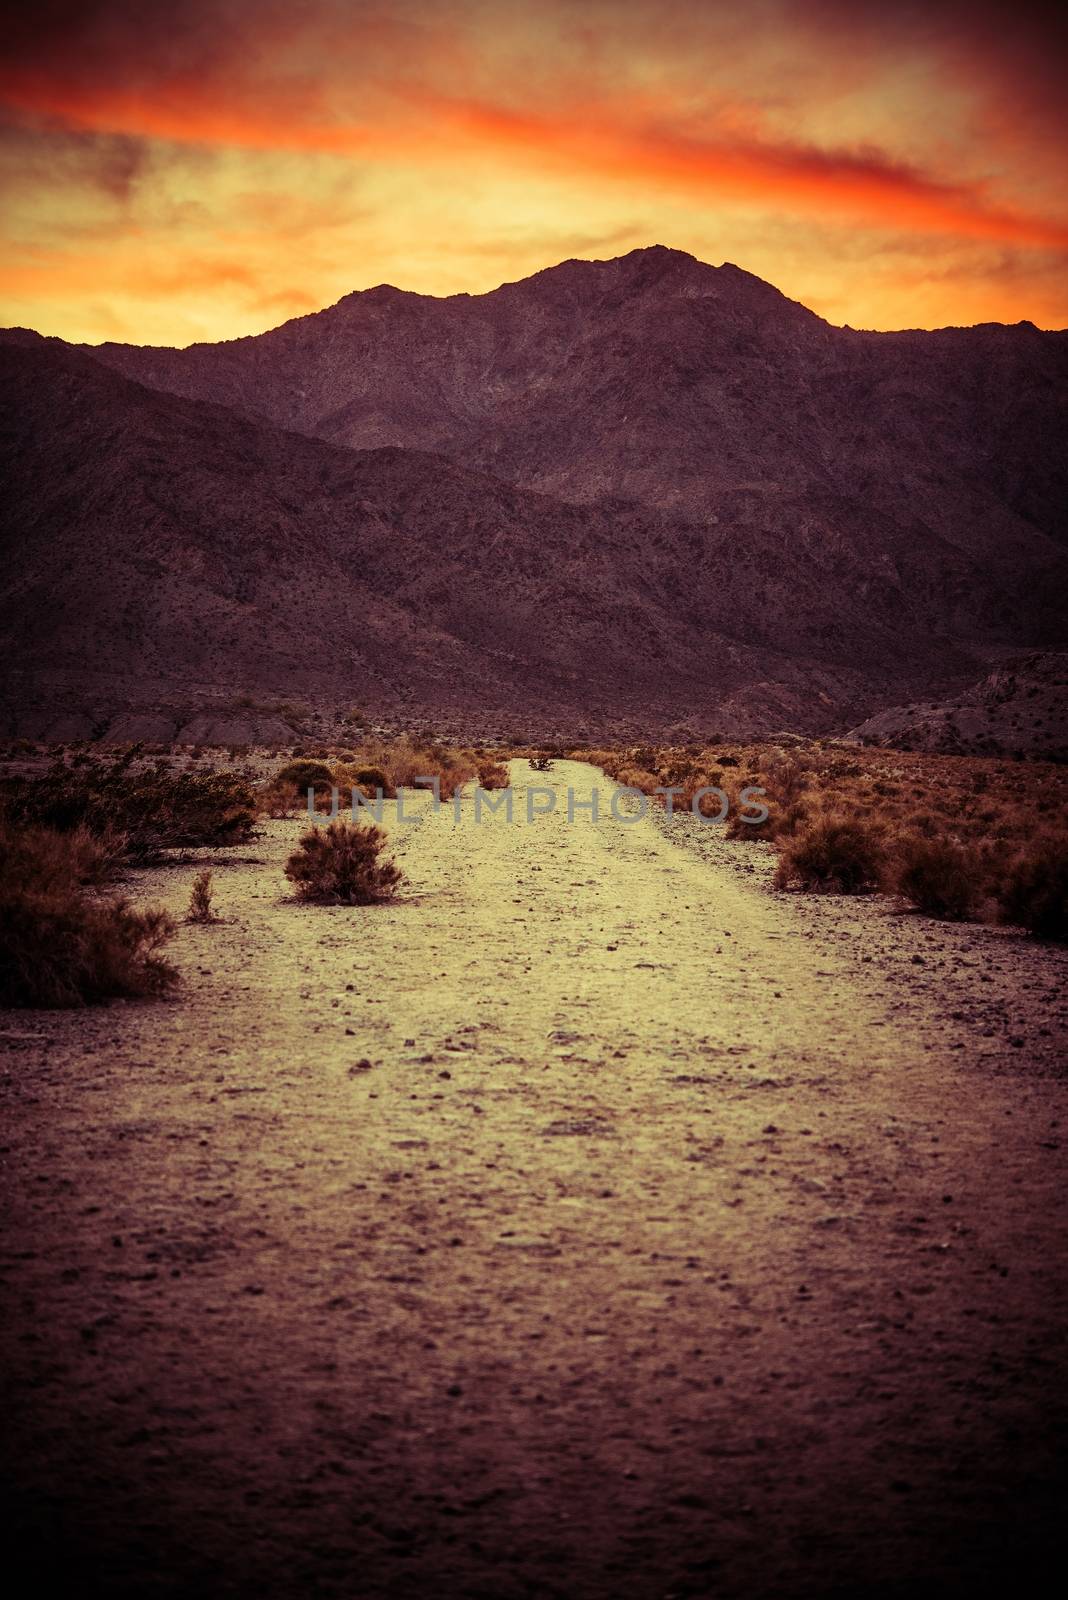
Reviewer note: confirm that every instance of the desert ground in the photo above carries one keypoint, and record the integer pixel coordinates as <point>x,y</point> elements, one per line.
<point>591,1220</point>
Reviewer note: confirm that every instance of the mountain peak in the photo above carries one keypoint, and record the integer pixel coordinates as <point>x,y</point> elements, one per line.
<point>657,270</point>
<point>645,265</point>
<point>663,256</point>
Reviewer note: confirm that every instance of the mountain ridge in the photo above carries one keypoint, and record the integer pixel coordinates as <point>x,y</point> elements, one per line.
<point>644,390</point>
<point>655,252</point>
<point>703,486</point>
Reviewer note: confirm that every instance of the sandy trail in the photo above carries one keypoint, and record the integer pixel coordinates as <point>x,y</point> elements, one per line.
<point>588,1222</point>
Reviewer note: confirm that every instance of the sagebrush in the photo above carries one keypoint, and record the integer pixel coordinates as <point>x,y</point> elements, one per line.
<point>831,853</point>
<point>1034,891</point>
<point>339,865</point>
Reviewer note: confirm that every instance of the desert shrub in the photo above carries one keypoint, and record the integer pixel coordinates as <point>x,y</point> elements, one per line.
<point>676,772</point>
<point>788,786</point>
<point>46,858</point>
<point>63,945</point>
<point>948,802</point>
<point>406,760</point>
<point>279,799</point>
<point>634,777</point>
<point>717,805</point>
<point>780,822</point>
<point>151,808</point>
<point>541,762</point>
<point>609,761</point>
<point>493,775</point>
<point>786,779</point>
<point>1034,891</point>
<point>450,779</point>
<point>390,765</point>
<point>831,853</point>
<point>338,865</point>
<point>938,876</point>
<point>201,908</point>
<point>305,775</point>
<point>370,779</point>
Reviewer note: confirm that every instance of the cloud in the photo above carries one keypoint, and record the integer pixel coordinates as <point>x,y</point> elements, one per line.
<point>346,82</point>
<point>861,183</point>
<point>235,146</point>
<point>864,183</point>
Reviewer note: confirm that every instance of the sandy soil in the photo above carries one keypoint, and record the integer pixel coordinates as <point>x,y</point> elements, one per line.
<point>589,1222</point>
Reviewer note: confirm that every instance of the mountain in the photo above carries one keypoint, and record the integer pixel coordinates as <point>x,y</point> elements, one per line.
<point>156,545</point>
<point>693,389</point>
<point>639,492</point>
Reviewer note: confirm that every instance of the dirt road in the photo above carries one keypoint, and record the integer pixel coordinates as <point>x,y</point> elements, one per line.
<point>590,1222</point>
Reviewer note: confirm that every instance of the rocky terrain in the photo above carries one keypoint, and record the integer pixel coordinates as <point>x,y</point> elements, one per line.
<point>637,492</point>
<point>1022,706</point>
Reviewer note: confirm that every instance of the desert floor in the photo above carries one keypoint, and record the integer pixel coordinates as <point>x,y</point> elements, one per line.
<point>591,1221</point>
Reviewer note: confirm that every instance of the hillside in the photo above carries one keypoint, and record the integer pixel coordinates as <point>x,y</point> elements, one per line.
<point>640,493</point>
<point>657,379</point>
<point>158,548</point>
<point>1022,706</point>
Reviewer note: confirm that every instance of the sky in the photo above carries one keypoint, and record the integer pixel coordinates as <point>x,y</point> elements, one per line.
<point>208,170</point>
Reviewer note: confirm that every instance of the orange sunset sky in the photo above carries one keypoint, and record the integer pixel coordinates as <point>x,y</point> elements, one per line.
<point>210,169</point>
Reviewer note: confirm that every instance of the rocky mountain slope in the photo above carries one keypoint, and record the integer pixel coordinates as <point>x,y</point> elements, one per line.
<point>1022,706</point>
<point>158,543</point>
<point>657,379</point>
<point>645,489</point>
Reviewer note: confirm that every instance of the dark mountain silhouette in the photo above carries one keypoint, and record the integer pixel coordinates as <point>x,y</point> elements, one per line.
<point>644,488</point>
